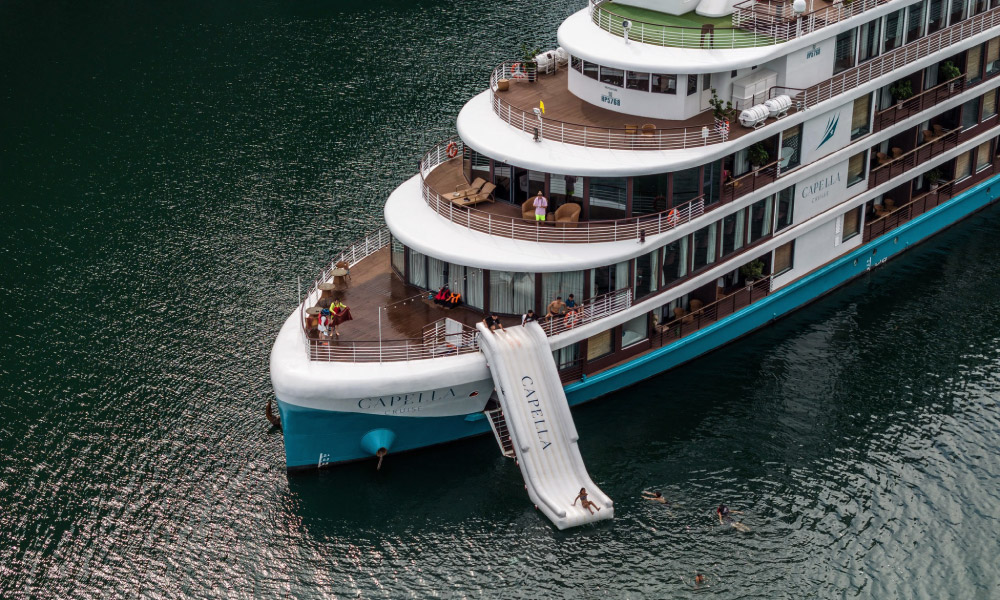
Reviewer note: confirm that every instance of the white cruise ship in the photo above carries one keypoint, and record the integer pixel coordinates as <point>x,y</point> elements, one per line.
<point>706,167</point>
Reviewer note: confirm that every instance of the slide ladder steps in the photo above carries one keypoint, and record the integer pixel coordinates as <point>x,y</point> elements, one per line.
<point>499,426</point>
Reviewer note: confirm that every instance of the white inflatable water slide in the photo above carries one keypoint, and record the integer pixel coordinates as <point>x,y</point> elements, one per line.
<point>540,425</point>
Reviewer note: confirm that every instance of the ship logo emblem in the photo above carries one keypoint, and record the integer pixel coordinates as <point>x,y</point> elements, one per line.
<point>831,128</point>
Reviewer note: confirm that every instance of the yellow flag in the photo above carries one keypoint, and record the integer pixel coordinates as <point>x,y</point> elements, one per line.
<point>541,105</point>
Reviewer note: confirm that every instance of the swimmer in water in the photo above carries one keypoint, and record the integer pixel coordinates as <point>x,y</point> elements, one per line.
<point>655,497</point>
<point>584,502</point>
<point>699,579</point>
<point>723,512</point>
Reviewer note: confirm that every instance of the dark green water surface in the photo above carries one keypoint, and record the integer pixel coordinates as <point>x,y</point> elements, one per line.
<point>168,169</point>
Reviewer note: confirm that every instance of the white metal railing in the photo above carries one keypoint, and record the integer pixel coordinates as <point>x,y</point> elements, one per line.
<point>776,20</point>
<point>581,232</point>
<point>592,136</point>
<point>594,309</point>
<point>435,343</point>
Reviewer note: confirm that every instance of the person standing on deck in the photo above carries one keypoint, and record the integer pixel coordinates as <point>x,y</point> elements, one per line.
<point>540,205</point>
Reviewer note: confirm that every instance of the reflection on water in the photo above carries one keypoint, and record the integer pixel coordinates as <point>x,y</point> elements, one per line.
<point>167,177</point>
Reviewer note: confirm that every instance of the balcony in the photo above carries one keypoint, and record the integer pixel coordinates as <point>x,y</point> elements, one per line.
<point>689,30</point>
<point>936,143</point>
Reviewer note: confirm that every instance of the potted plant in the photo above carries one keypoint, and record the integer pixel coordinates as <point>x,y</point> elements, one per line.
<point>758,156</point>
<point>948,70</point>
<point>721,111</point>
<point>528,62</point>
<point>901,90</point>
<point>752,271</point>
<point>933,177</point>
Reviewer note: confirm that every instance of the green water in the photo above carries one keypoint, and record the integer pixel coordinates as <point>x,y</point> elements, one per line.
<point>167,170</point>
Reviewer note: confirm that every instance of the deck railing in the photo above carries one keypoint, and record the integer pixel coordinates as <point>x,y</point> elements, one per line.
<point>918,103</point>
<point>908,211</point>
<point>580,232</point>
<point>908,160</point>
<point>712,312</point>
<point>435,343</point>
<point>776,20</point>
<point>592,310</point>
<point>353,254</point>
<point>592,136</point>
<point>657,34</point>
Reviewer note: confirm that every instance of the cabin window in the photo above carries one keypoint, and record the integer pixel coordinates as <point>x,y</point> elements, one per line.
<point>783,258</point>
<point>664,84</point>
<point>989,104</point>
<point>437,273</point>
<point>608,279</point>
<point>563,189</point>
<point>982,156</point>
<point>686,185</point>
<point>576,63</point>
<point>856,169</point>
<point>861,116</point>
<point>935,16</point>
<point>915,21</point>
<point>852,224</point>
<point>646,273</point>
<point>599,345</point>
<point>675,259</point>
<point>712,182</point>
<point>635,330</point>
<point>761,217</point>
<point>567,357</point>
<point>692,84</point>
<point>979,7</point>
<point>733,232</point>
<point>705,245</point>
<point>970,114</point>
<point>790,155</point>
<point>398,257</point>
<point>992,56</point>
<point>562,284</point>
<point>843,55</point>
<point>608,197</point>
<point>649,194</point>
<point>473,278</point>
<point>637,81</point>
<point>418,269</point>
<point>590,69</point>
<point>786,204</point>
<point>869,40</point>
<point>894,30</point>
<point>963,165</point>
<point>957,12</point>
<point>613,76</point>
<point>974,64</point>
<point>511,293</point>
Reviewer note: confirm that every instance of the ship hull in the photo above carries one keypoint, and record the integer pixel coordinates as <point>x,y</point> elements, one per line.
<point>316,438</point>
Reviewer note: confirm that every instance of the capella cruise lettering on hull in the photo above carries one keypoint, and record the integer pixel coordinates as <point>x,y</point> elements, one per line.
<point>627,227</point>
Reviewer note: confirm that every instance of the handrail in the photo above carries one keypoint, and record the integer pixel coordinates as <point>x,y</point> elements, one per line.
<point>610,138</point>
<point>710,313</point>
<point>673,36</point>
<point>946,137</point>
<point>435,343</point>
<point>905,212</point>
<point>592,310</point>
<point>777,19</point>
<point>581,232</point>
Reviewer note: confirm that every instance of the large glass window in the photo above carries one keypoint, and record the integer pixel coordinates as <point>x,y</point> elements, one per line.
<point>992,56</point>
<point>957,12</point>
<point>963,166</point>
<point>761,217</point>
<point>635,330</point>
<point>712,182</point>
<point>563,189</point>
<point>664,84</point>
<point>786,203</point>
<point>599,345</point>
<point>856,169</point>
<point>974,64</point>
<point>511,293</point>
<point>649,194</point>
<point>989,104</point>
<point>861,116</point>
<point>567,357</point>
<point>576,63</point>
<point>915,21</point>
<point>646,274</point>
<point>675,260</point>
<point>418,269</point>
<point>852,224</point>
<point>894,30</point>
<point>790,155</point>
<point>437,273</point>
<point>704,245</point>
<point>686,185</point>
<point>590,69</point>
<point>608,279</point>
<point>562,285</point>
<point>607,197</point>
<point>692,84</point>
<point>783,258</point>
<point>613,76</point>
<point>398,256</point>
<point>935,16</point>
<point>637,81</point>
<point>467,281</point>
<point>502,180</point>
<point>870,40</point>
<point>970,114</point>
<point>734,232</point>
<point>843,54</point>
<point>982,156</point>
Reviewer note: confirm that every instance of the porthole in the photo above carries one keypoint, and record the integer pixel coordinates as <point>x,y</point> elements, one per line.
<point>474,394</point>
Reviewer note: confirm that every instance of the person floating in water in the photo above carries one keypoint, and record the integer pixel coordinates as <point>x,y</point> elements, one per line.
<point>699,579</point>
<point>584,502</point>
<point>724,518</point>
<point>655,497</point>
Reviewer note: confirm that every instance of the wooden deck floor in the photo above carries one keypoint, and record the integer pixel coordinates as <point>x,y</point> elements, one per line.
<point>561,105</point>
<point>373,285</point>
<point>448,176</point>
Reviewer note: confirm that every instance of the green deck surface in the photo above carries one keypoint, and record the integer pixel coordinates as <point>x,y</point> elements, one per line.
<point>725,35</point>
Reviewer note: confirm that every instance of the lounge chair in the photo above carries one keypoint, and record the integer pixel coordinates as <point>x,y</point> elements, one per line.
<point>471,190</point>
<point>568,215</point>
<point>484,195</point>
<point>649,129</point>
<point>631,129</point>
